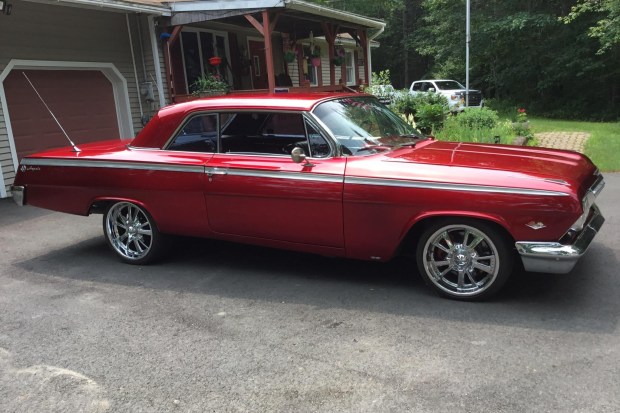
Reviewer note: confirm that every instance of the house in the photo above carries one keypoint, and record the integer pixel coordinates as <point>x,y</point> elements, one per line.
<point>99,69</point>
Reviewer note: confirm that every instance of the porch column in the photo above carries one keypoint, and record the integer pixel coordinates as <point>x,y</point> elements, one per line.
<point>271,76</point>
<point>363,37</point>
<point>330,35</point>
<point>266,29</point>
<point>170,75</point>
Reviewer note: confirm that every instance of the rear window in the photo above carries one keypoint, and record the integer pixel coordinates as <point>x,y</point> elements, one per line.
<point>448,85</point>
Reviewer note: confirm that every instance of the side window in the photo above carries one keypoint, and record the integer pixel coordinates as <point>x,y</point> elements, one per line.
<point>417,87</point>
<point>198,134</point>
<point>317,145</point>
<point>269,133</point>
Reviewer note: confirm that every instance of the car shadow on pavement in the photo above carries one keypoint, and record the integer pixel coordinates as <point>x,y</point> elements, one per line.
<point>584,300</point>
<point>10,214</point>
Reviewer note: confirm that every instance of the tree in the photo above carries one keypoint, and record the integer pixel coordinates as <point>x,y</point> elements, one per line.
<point>521,51</point>
<point>607,28</point>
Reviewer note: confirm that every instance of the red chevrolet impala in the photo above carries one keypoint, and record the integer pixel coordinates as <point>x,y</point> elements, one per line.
<point>336,175</point>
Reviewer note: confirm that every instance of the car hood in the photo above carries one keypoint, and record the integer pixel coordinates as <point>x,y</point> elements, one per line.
<point>501,163</point>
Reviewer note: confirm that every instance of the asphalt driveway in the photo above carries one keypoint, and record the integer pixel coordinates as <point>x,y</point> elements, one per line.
<point>222,327</point>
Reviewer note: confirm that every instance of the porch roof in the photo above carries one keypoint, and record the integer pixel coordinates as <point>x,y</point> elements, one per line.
<point>156,7</point>
<point>290,14</point>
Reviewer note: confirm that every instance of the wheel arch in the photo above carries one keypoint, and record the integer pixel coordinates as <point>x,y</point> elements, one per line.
<point>101,204</point>
<point>419,223</point>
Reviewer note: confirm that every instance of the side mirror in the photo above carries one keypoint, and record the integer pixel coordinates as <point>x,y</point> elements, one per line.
<point>431,89</point>
<point>298,156</point>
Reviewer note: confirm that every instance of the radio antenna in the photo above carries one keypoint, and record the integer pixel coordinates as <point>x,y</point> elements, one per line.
<point>75,148</point>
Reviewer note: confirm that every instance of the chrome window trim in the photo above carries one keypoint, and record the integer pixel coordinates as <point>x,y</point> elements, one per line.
<point>323,131</point>
<point>166,146</point>
<point>218,112</point>
<point>150,166</point>
<point>354,180</point>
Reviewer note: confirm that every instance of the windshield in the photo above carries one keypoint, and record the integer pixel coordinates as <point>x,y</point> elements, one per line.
<point>448,85</point>
<point>362,125</point>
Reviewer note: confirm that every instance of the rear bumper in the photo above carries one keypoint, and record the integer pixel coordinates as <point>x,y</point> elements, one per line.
<point>19,194</point>
<point>556,258</point>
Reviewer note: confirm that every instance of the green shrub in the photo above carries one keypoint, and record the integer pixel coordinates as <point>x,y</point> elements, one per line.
<point>381,78</point>
<point>430,117</point>
<point>403,103</point>
<point>477,118</point>
<point>428,109</point>
<point>453,130</point>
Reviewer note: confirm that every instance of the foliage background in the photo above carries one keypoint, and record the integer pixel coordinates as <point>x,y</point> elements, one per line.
<point>557,58</point>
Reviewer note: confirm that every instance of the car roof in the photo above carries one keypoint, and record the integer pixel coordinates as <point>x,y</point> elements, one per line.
<point>436,80</point>
<point>159,129</point>
<point>261,101</point>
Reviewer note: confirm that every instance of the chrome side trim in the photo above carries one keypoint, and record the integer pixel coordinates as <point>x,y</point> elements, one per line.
<point>112,164</point>
<point>450,187</point>
<point>298,176</point>
<point>556,258</point>
<point>19,194</point>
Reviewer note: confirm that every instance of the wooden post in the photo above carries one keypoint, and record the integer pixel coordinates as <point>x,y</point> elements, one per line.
<point>174,37</point>
<point>366,48</point>
<point>330,35</point>
<point>266,29</point>
<point>271,76</point>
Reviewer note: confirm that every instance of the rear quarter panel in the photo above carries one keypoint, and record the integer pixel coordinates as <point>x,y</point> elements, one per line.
<point>74,182</point>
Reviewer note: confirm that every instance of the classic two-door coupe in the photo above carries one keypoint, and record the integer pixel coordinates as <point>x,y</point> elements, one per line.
<point>337,175</point>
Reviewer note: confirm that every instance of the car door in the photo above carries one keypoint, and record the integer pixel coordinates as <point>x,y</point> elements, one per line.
<point>254,189</point>
<point>178,184</point>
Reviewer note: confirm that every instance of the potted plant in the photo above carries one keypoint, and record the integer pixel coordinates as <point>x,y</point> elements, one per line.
<point>209,85</point>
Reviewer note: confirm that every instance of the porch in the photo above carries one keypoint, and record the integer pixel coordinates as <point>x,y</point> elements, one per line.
<point>266,46</point>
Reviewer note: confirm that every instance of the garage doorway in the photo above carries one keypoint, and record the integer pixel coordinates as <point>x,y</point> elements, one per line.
<point>81,100</point>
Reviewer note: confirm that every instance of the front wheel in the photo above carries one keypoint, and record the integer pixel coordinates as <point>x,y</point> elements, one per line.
<point>131,233</point>
<point>464,259</point>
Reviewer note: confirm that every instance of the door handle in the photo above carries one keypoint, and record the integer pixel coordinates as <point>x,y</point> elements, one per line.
<point>215,171</point>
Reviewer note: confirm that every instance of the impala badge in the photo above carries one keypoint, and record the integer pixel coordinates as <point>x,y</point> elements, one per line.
<point>25,168</point>
<point>535,225</point>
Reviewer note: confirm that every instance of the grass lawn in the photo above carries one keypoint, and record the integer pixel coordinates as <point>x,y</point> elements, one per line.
<point>603,147</point>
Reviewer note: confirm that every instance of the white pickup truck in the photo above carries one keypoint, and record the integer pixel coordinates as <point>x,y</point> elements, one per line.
<point>452,90</point>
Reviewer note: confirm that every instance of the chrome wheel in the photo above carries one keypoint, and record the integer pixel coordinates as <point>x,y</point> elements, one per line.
<point>464,261</point>
<point>129,231</point>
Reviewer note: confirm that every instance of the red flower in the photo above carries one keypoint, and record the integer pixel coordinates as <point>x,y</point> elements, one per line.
<point>521,110</point>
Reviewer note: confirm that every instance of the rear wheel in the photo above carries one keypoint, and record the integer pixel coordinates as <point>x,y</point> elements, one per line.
<point>464,259</point>
<point>131,233</point>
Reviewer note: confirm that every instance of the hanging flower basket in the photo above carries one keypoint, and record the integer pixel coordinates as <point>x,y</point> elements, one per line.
<point>215,60</point>
<point>289,56</point>
<point>338,61</point>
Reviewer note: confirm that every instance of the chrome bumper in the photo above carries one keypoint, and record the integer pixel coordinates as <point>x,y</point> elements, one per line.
<point>556,258</point>
<point>19,194</point>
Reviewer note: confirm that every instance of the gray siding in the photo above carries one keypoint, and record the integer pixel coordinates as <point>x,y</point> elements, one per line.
<point>37,31</point>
